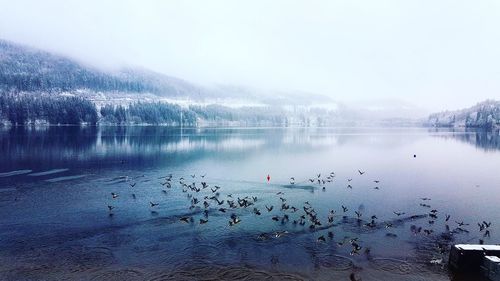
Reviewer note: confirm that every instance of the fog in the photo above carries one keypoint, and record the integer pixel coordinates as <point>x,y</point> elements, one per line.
<point>431,54</point>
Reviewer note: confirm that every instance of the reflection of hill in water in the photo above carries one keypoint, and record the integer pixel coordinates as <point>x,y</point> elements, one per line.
<point>483,139</point>
<point>140,146</point>
<point>107,146</point>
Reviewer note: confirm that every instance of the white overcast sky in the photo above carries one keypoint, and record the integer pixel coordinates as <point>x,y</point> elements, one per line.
<point>435,54</point>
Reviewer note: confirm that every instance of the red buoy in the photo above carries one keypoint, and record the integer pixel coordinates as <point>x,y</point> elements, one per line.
<point>268,177</point>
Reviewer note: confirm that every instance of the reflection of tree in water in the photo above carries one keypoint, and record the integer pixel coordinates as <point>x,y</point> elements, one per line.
<point>488,140</point>
<point>485,139</point>
<point>34,146</point>
<point>148,139</point>
<point>133,147</point>
<point>70,136</point>
<point>117,146</point>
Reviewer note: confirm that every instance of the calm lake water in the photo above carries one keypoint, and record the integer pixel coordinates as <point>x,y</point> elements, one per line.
<point>56,185</point>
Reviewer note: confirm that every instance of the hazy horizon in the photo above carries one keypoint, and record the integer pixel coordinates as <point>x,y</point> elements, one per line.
<point>433,55</point>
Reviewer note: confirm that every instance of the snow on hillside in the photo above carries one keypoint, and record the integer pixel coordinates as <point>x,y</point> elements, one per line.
<point>483,115</point>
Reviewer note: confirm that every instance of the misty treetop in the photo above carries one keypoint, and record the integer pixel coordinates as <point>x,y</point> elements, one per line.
<point>23,69</point>
<point>31,70</point>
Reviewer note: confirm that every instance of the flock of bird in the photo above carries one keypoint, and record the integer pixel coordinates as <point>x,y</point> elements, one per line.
<point>208,198</point>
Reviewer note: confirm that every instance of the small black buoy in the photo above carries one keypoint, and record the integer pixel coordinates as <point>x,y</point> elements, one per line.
<point>414,155</point>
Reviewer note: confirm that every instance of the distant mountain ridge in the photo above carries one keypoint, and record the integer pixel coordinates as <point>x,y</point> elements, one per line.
<point>482,115</point>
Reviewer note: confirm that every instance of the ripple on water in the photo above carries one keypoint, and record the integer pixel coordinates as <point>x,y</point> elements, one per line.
<point>391,265</point>
<point>27,272</point>
<point>217,272</point>
<point>8,194</point>
<point>81,259</point>
<point>326,258</point>
<point>335,262</point>
<point>237,273</point>
<point>202,251</point>
<point>119,274</point>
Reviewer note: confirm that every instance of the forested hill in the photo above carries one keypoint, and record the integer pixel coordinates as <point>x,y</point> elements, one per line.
<point>483,115</point>
<point>39,87</point>
<point>26,69</point>
<point>32,70</point>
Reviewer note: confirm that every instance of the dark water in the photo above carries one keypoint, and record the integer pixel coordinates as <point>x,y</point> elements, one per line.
<point>56,184</point>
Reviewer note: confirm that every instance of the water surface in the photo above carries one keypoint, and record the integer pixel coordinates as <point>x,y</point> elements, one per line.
<point>56,185</point>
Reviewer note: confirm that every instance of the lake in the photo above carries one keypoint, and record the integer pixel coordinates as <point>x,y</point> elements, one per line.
<point>398,186</point>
